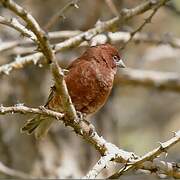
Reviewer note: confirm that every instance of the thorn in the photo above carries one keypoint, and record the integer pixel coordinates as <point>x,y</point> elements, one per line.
<point>160,144</point>
<point>81,131</point>
<point>166,154</point>
<point>42,108</point>
<point>63,16</point>
<point>75,5</point>
<point>1,108</point>
<point>19,104</point>
<point>99,22</point>
<point>124,11</point>
<point>60,71</point>
<point>162,147</point>
<point>58,118</point>
<point>53,47</point>
<point>134,156</point>
<point>174,133</point>
<point>87,36</point>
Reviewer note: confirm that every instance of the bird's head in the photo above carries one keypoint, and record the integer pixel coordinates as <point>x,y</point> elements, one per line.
<point>108,55</point>
<point>111,55</point>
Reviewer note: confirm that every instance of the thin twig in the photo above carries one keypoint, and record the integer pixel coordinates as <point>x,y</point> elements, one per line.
<point>48,52</point>
<point>108,150</point>
<point>173,8</point>
<point>80,128</point>
<point>75,41</point>
<point>15,24</point>
<point>146,21</point>
<point>171,169</point>
<point>159,80</point>
<point>100,144</point>
<point>99,166</point>
<point>42,42</point>
<point>60,14</point>
<point>13,173</point>
<point>111,37</point>
<point>164,147</point>
<point>20,108</point>
<point>56,35</point>
<point>59,80</point>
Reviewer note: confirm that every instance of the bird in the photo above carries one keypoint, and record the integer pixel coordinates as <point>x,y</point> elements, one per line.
<point>89,82</point>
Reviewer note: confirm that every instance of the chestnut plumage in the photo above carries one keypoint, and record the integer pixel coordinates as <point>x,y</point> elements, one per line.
<point>89,82</point>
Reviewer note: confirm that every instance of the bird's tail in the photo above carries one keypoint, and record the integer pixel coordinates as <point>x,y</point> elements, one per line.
<point>39,125</point>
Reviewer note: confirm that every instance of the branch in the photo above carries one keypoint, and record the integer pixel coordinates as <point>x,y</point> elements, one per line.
<point>60,14</point>
<point>149,156</point>
<point>162,167</point>
<point>146,21</point>
<point>15,24</point>
<point>13,173</point>
<point>173,8</point>
<point>42,42</point>
<point>80,127</point>
<point>114,38</point>
<point>4,46</point>
<point>20,108</point>
<point>52,36</point>
<point>99,166</point>
<point>47,51</point>
<point>75,41</point>
<point>159,80</point>
<point>144,38</point>
<point>61,89</point>
<point>109,151</point>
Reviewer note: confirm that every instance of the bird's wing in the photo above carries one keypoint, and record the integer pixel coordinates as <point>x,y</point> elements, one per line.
<point>51,95</point>
<point>53,88</point>
<point>83,84</point>
<point>76,63</point>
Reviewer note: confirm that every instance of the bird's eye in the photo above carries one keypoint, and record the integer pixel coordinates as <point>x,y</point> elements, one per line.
<point>115,58</point>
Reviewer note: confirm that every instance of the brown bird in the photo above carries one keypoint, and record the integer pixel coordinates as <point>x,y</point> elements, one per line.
<point>89,82</point>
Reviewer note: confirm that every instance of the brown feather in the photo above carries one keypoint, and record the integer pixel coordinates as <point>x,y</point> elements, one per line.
<point>89,82</point>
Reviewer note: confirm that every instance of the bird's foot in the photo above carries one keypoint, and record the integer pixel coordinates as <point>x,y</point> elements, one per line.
<point>87,128</point>
<point>81,116</point>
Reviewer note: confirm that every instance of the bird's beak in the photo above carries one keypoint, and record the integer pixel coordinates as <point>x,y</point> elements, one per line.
<point>120,64</point>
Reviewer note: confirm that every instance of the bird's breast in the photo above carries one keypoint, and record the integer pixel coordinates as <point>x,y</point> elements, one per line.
<point>89,86</point>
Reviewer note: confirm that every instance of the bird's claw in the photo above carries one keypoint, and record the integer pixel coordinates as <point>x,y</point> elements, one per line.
<point>81,116</point>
